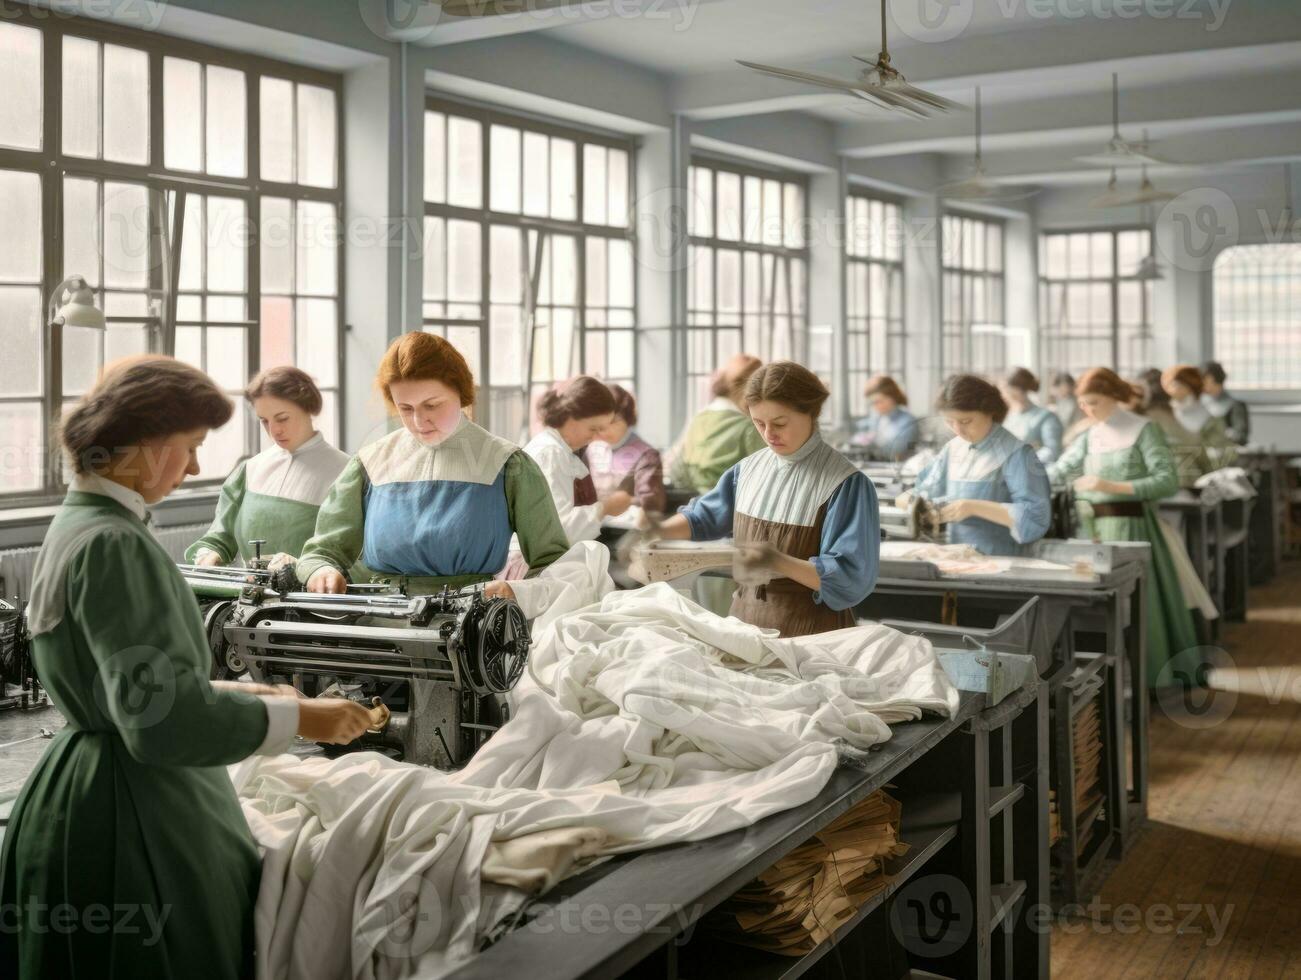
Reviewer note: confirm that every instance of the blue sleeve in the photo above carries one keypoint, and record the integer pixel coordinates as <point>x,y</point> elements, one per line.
<point>866,424</point>
<point>904,440</point>
<point>851,545</point>
<point>1032,502</point>
<point>710,516</point>
<point>932,482</point>
<point>1050,437</point>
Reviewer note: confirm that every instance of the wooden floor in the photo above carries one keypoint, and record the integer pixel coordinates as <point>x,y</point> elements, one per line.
<point>1212,887</point>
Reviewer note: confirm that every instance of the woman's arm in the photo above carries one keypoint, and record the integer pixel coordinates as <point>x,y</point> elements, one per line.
<point>707,518</point>
<point>340,525</point>
<point>220,539</point>
<point>1051,437</point>
<point>1070,464</point>
<point>532,513</point>
<point>579,523</point>
<point>844,571</point>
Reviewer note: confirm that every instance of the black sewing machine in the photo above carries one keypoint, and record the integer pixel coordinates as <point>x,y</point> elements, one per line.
<point>19,686</point>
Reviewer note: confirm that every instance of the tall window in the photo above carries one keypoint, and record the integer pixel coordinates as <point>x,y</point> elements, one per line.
<point>747,288</point>
<point>160,171</point>
<point>1257,324</point>
<point>874,294</point>
<point>974,326</point>
<point>1093,309</point>
<point>528,254</point>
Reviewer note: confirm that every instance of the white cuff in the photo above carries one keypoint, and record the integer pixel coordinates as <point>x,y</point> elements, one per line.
<point>282,725</point>
<point>198,555</point>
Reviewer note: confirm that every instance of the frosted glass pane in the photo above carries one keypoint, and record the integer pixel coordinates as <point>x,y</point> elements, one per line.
<point>20,80</point>
<point>563,256</point>
<point>537,182</point>
<point>126,304</point>
<point>276,241</point>
<point>327,423</point>
<point>81,359</point>
<point>317,136</point>
<point>465,162</point>
<point>189,342</point>
<point>192,238</point>
<point>729,206</point>
<point>189,309</point>
<point>227,239</point>
<point>20,226</point>
<point>126,104</point>
<point>126,236</point>
<point>80,97</point>
<point>564,180</point>
<point>505,169</point>
<point>594,184</point>
<point>616,165</point>
<point>20,339</point>
<point>23,449</point>
<point>464,279</point>
<point>182,114</point>
<point>619,353</point>
<point>224,447</point>
<point>506,339</point>
<point>620,273</point>
<point>435,157</point>
<point>276,119</point>
<point>435,259</point>
<point>318,336</point>
<point>316,236</point>
<point>124,340</point>
<point>277,331</point>
<point>595,275</point>
<point>227,122</point>
<point>466,340</point>
<point>506,277</point>
<point>227,356</point>
<point>223,309</point>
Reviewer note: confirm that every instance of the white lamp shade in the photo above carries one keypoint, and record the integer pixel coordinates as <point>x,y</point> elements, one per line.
<point>80,309</point>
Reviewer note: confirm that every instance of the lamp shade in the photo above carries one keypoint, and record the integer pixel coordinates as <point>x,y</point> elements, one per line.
<point>74,305</point>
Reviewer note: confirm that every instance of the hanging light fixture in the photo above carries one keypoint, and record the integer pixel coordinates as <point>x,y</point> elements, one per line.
<point>978,187</point>
<point>1120,152</point>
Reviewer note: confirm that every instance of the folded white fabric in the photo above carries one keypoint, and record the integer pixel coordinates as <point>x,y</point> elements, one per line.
<point>645,720</point>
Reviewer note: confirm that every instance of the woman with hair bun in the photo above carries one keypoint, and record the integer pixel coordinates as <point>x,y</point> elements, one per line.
<point>622,460</point>
<point>989,486</point>
<point>721,434</point>
<point>130,806</point>
<point>890,432</point>
<point>1034,425</point>
<point>276,495</point>
<point>805,520</point>
<point>1183,383</point>
<point>573,415</point>
<point>1119,468</point>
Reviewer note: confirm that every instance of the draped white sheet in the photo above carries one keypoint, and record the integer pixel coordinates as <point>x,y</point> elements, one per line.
<point>644,720</point>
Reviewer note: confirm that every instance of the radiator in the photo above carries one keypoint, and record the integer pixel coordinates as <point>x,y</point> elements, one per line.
<point>16,564</point>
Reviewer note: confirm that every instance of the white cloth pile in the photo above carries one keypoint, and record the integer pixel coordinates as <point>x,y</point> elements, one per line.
<point>645,720</point>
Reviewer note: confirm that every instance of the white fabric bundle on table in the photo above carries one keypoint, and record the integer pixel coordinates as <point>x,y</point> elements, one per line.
<point>645,720</point>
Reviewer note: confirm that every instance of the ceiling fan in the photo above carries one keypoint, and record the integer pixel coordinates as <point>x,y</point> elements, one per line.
<point>879,83</point>
<point>1120,152</point>
<point>978,187</point>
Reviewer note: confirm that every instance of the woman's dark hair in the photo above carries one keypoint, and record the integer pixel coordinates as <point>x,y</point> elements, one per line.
<point>789,383</point>
<point>1021,379</point>
<point>883,384</point>
<point>289,384</point>
<point>1104,381</point>
<point>140,398</point>
<point>1154,395</point>
<point>1185,374</point>
<point>969,393</point>
<point>582,398</point>
<point>625,406</point>
<point>1215,371</point>
<point>1062,378</point>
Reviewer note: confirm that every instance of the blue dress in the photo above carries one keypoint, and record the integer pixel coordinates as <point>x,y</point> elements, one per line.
<point>1000,468</point>
<point>1038,428</point>
<point>889,437</point>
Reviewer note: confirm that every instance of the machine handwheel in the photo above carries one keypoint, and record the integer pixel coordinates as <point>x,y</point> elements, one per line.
<point>493,644</point>
<point>225,663</point>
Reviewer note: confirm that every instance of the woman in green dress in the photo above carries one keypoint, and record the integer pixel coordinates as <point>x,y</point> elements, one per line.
<point>126,854</point>
<point>275,495</point>
<point>1119,467</point>
<point>1183,383</point>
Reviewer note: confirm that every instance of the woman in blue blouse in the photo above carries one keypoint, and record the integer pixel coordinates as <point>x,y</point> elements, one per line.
<point>890,431</point>
<point>805,521</point>
<point>990,487</point>
<point>1033,424</point>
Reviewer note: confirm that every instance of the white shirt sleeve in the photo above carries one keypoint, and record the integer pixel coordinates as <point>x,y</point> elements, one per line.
<point>580,523</point>
<point>282,725</point>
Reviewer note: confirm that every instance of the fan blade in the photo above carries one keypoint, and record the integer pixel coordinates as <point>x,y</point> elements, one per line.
<point>810,78</point>
<point>930,98</point>
<point>979,189</point>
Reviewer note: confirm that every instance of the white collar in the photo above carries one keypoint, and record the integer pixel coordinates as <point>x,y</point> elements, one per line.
<point>1120,431</point>
<point>721,404</point>
<point>308,445</point>
<point>810,446</point>
<point>96,484</point>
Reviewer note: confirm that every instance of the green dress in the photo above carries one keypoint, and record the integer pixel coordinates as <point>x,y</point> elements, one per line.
<point>128,831</point>
<point>718,438</point>
<point>1148,464</point>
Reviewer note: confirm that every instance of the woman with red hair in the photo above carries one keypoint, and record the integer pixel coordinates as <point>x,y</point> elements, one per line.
<point>1119,468</point>
<point>1184,383</point>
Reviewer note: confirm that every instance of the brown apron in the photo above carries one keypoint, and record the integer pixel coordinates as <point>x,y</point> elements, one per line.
<point>584,491</point>
<point>783,604</point>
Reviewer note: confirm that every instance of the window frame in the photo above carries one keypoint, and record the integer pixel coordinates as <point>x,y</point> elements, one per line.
<point>486,219</point>
<point>891,267</point>
<point>1273,392</point>
<point>53,167</point>
<point>966,276</point>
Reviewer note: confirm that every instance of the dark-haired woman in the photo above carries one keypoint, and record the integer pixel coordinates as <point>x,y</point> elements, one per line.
<point>619,459</point>
<point>1034,425</point>
<point>990,487</point>
<point>276,495</point>
<point>434,503</point>
<point>890,432</point>
<point>573,415</point>
<point>1119,468</point>
<point>805,520</point>
<point>130,806</point>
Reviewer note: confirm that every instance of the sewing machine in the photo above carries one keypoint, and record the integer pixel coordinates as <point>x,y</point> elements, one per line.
<point>440,663</point>
<point>19,687</point>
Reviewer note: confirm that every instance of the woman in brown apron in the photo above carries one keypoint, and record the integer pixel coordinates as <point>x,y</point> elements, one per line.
<point>804,520</point>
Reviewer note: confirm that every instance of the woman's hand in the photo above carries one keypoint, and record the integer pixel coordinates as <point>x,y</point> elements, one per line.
<point>334,720</point>
<point>209,559</point>
<point>616,503</point>
<point>904,500</point>
<point>1093,484</point>
<point>328,580</point>
<point>957,511</point>
<point>755,563</point>
<point>499,590</point>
